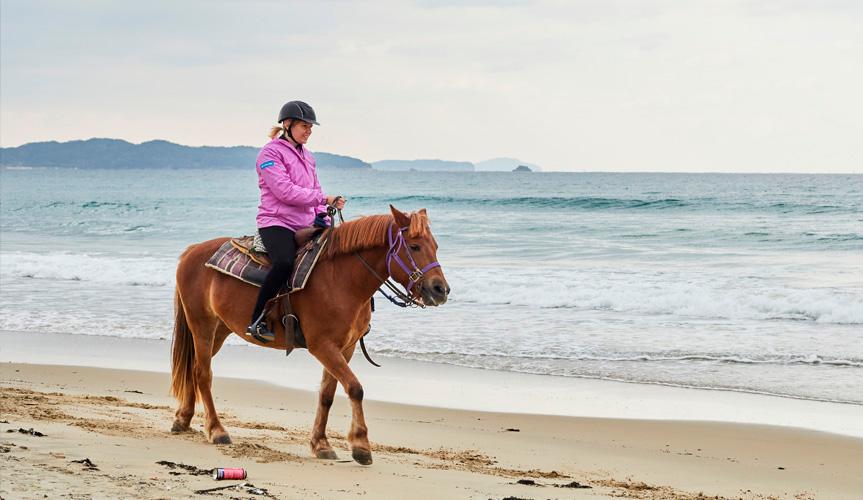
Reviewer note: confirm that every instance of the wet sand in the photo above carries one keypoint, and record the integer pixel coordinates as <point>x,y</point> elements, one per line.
<point>106,436</point>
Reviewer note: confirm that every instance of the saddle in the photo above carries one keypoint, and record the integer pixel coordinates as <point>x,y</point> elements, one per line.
<point>245,259</point>
<point>254,247</point>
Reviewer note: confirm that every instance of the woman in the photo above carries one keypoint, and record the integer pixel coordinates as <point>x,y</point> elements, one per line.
<point>291,197</point>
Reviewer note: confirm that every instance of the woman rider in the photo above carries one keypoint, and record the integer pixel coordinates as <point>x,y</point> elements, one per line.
<point>291,196</point>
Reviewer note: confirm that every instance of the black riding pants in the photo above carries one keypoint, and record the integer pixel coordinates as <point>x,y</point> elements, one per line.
<point>282,249</point>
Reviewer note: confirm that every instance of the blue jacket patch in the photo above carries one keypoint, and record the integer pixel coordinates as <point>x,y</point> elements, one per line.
<point>267,164</point>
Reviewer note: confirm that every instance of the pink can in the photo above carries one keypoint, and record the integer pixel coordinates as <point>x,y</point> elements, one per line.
<point>229,473</point>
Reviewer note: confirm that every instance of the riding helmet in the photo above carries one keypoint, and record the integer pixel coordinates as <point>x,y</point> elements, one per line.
<point>298,110</point>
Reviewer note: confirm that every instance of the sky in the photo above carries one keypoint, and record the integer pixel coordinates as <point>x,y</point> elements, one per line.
<point>599,85</point>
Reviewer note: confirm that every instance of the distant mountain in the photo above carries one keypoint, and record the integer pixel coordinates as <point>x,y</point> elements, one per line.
<point>331,160</point>
<point>504,165</point>
<point>522,168</point>
<point>117,153</point>
<point>423,165</point>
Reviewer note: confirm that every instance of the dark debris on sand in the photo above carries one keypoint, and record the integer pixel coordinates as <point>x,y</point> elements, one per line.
<point>30,432</point>
<point>87,463</point>
<point>190,469</point>
<point>573,484</point>
<point>242,487</point>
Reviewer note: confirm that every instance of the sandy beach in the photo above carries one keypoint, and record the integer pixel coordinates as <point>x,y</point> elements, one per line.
<point>105,435</point>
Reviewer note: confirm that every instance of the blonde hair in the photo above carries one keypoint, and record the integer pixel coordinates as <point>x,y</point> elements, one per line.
<point>276,130</point>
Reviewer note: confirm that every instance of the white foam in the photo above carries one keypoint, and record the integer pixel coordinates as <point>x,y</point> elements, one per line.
<point>87,322</point>
<point>710,296</point>
<point>93,267</point>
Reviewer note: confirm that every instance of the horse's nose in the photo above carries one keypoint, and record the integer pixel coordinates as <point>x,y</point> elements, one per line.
<point>441,289</point>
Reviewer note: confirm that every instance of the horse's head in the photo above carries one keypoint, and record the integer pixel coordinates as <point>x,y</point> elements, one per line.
<point>414,251</point>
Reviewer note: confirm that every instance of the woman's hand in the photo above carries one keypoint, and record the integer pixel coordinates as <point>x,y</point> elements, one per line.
<point>337,202</point>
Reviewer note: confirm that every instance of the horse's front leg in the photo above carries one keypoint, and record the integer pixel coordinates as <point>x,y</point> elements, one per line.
<point>336,364</point>
<point>320,445</point>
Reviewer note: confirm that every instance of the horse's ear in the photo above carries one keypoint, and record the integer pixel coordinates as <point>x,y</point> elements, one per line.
<point>422,211</point>
<point>402,220</point>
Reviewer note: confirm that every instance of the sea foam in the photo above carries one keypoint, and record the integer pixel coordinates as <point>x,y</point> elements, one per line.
<point>92,267</point>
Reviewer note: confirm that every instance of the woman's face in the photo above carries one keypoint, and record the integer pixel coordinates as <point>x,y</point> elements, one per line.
<point>301,131</point>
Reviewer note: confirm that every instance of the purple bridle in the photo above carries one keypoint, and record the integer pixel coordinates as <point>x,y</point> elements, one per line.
<point>396,243</point>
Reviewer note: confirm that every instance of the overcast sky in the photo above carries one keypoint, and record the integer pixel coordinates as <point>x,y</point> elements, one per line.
<point>745,86</point>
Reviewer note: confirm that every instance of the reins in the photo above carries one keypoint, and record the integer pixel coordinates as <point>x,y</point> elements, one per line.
<point>406,300</point>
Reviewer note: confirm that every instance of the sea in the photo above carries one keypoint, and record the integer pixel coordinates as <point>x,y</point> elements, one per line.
<point>731,282</point>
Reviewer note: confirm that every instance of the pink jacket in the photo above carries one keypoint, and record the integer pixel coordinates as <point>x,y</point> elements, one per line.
<point>290,192</point>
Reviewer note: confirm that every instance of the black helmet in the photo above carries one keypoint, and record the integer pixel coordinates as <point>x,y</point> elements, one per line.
<point>298,110</point>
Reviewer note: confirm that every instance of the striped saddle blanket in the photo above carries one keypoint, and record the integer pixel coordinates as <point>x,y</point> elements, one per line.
<point>244,259</point>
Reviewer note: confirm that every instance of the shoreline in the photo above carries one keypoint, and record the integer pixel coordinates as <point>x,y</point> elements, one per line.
<point>453,387</point>
<point>118,419</point>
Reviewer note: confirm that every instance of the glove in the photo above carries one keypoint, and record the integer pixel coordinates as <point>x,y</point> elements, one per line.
<point>321,221</point>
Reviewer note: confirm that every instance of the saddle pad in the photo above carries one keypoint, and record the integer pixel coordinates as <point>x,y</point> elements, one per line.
<point>233,261</point>
<point>229,260</point>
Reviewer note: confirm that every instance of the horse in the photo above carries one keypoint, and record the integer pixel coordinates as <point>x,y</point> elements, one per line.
<point>334,310</point>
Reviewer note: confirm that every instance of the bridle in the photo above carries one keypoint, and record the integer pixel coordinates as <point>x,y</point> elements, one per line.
<point>396,242</point>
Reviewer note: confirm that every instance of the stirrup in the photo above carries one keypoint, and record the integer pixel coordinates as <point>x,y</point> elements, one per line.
<point>260,331</point>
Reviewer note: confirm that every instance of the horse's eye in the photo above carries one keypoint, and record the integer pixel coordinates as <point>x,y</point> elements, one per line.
<point>415,248</point>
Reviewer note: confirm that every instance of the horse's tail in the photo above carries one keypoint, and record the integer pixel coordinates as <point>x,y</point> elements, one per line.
<point>182,353</point>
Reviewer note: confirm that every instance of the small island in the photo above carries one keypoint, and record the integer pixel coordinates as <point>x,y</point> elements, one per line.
<point>522,168</point>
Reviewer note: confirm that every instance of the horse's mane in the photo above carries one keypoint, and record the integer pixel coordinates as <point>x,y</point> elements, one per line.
<point>371,231</point>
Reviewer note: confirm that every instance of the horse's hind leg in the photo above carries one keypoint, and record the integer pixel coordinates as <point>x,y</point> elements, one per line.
<point>205,346</point>
<point>320,445</point>
<point>186,410</point>
<point>183,369</point>
<point>335,363</point>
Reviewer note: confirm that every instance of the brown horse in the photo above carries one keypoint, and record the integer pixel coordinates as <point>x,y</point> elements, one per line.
<point>334,311</point>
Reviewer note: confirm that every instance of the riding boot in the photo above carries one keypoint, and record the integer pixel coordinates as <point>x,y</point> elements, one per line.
<point>260,330</point>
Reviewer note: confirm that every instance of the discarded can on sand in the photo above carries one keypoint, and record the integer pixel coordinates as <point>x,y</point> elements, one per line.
<point>229,473</point>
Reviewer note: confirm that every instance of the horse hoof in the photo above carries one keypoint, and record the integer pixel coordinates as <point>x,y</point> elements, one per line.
<point>326,454</point>
<point>363,457</point>
<point>179,427</point>
<point>221,439</point>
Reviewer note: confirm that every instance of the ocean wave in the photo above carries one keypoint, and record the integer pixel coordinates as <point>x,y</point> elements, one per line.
<point>841,237</point>
<point>84,206</point>
<point>615,375</point>
<point>606,203</point>
<point>65,266</point>
<point>785,360</point>
<point>640,293</point>
<point>88,322</point>
<point>683,295</point>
